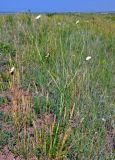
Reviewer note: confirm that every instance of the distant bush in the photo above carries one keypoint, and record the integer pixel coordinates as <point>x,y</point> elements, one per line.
<point>50,14</point>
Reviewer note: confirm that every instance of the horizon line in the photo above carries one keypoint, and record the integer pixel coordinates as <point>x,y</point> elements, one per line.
<point>29,11</point>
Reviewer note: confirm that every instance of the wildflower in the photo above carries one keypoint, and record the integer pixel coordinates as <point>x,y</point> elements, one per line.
<point>77,21</point>
<point>38,17</point>
<point>88,58</point>
<point>12,70</point>
<point>103,119</point>
<point>47,55</point>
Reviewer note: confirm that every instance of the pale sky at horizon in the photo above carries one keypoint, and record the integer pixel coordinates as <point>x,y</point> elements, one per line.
<point>57,5</point>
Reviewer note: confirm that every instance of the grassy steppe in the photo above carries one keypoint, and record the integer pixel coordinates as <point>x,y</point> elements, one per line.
<point>58,105</point>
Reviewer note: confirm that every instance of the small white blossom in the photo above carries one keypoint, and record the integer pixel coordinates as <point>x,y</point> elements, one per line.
<point>12,70</point>
<point>88,58</point>
<point>47,55</point>
<point>103,119</point>
<point>77,21</point>
<point>38,17</point>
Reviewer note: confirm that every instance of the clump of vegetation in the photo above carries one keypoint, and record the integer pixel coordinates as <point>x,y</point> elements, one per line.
<point>59,72</point>
<point>7,49</point>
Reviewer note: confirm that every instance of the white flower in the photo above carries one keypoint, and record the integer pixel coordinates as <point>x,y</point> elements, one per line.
<point>47,55</point>
<point>12,70</point>
<point>38,17</point>
<point>103,119</point>
<point>77,21</point>
<point>88,58</point>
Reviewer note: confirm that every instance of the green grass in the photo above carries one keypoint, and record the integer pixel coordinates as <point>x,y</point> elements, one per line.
<point>49,55</point>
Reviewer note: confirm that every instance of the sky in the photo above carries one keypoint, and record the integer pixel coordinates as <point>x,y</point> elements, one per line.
<point>57,5</point>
